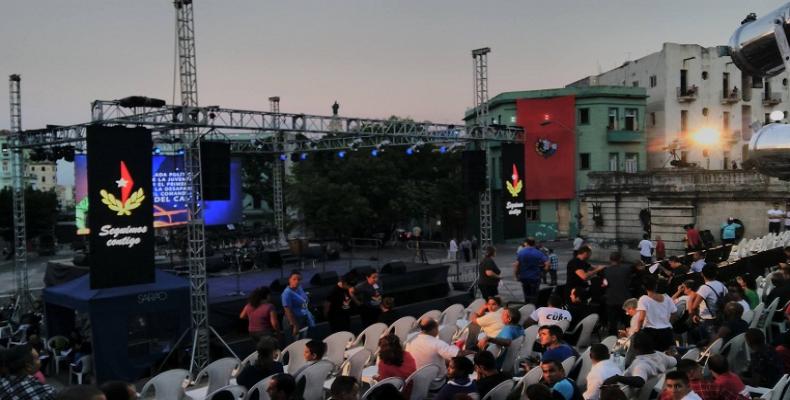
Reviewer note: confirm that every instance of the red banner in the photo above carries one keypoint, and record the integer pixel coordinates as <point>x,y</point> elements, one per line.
<point>550,147</point>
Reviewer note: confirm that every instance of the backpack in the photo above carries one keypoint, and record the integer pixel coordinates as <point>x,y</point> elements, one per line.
<point>719,304</point>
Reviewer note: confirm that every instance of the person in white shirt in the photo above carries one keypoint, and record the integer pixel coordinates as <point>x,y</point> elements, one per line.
<point>551,315</point>
<point>602,369</point>
<point>677,385</point>
<point>629,306</point>
<point>787,220</point>
<point>647,364</point>
<point>699,262</point>
<point>452,250</point>
<point>775,216</point>
<point>646,249</point>
<point>489,317</point>
<point>577,243</point>
<point>703,306</point>
<point>655,310</point>
<point>426,348</point>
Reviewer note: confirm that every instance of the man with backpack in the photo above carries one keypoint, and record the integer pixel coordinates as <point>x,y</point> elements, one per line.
<point>707,307</point>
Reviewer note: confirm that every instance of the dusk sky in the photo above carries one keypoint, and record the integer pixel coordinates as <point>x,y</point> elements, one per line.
<point>378,58</point>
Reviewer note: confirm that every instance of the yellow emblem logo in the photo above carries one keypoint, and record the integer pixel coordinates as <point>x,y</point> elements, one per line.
<point>129,200</point>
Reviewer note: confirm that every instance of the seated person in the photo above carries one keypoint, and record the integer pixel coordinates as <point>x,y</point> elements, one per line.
<point>705,388</point>
<point>511,330</point>
<point>118,390</point>
<point>551,315</point>
<point>488,317</point>
<point>578,306</point>
<point>393,361</point>
<point>19,366</point>
<point>314,351</point>
<point>426,348</point>
<point>676,267</point>
<point>781,289</point>
<point>554,349</point>
<point>602,369</point>
<point>458,382</point>
<point>765,366</point>
<point>677,385</point>
<point>698,263</point>
<point>388,314</point>
<point>647,363</point>
<point>344,388</point>
<point>561,386</point>
<point>723,377</point>
<point>732,325</point>
<point>281,387</point>
<point>262,367</point>
<point>488,376</point>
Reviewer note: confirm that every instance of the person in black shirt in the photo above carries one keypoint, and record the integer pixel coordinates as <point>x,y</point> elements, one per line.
<point>580,271</point>
<point>338,305</point>
<point>369,294</point>
<point>264,366</point>
<point>618,282</point>
<point>489,274</point>
<point>781,289</point>
<point>488,376</point>
<point>388,314</point>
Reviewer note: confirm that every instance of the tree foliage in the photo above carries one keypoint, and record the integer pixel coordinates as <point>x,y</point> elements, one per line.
<point>41,211</point>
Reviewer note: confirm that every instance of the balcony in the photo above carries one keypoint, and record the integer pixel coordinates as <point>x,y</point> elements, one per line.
<point>729,97</point>
<point>622,136</point>
<point>686,95</point>
<point>771,99</point>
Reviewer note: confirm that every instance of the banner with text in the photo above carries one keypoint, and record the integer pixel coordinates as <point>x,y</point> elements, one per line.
<point>513,196</point>
<point>120,220</point>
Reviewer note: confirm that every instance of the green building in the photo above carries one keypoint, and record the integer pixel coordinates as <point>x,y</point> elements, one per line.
<point>610,136</point>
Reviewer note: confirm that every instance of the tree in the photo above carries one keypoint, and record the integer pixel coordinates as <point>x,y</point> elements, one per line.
<point>41,211</point>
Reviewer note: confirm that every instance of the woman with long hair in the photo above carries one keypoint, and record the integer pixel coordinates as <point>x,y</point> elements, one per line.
<point>394,361</point>
<point>489,274</point>
<point>261,314</point>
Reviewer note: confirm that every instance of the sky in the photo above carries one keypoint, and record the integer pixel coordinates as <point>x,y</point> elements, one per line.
<point>410,58</point>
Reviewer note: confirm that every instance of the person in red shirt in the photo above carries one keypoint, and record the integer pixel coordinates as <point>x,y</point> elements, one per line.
<point>707,390</point>
<point>661,248</point>
<point>261,314</point>
<point>692,239</point>
<point>722,376</point>
<point>394,361</point>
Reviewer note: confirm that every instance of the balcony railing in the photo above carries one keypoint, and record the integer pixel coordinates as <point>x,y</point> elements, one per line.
<point>729,96</point>
<point>772,99</point>
<point>687,95</point>
<point>623,136</point>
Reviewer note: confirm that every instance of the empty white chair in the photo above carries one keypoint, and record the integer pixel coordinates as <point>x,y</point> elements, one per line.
<point>713,348</point>
<point>586,327</point>
<point>336,344</point>
<point>314,377</point>
<point>757,313</point>
<point>609,342</point>
<point>259,389</point>
<point>567,364</point>
<point>500,392</point>
<point>294,353</point>
<point>451,314</point>
<point>167,385</point>
<point>402,327</point>
<point>526,310</point>
<point>774,393</point>
<point>368,339</point>
<point>766,318</point>
<point>352,367</point>
<point>647,390</point>
<point>85,366</point>
<point>737,352</point>
<point>421,380</point>
<point>446,333</point>
<point>396,382</point>
<point>219,373</point>
<point>530,378</point>
<point>511,354</point>
<point>530,336</point>
<point>237,391</point>
<point>585,365</point>
<point>691,354</point>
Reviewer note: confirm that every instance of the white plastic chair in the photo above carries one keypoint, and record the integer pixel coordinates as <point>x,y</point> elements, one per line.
<point>526,310</point>
<point>757,313</point>
<point>249,360</point>
<point>436,315</point>
<point>352,367</point>
<point>295,354</point>
<point>511,353</point>
<point>473,307</point>
<point>56,345</point>
<point>421,380</point>
<point>713,348</point>
<point>567,364</point>
<point>500,392</point>
<point>564,324</point>
<point>586,326</point>
<point>747,316</point>
<point>609,342</point>
<point>585,365</point>
<point>451,314</point>
<point>446,333</point>
<point>314,377</point>
<point>647,390</point>
<point>259,389</point>
<point>86,364</point>
<point>774,393</point>
<point>238,392</point>
<point>402,327</point>
<point>736,352</point>
<point>167,385</point>
<point>336,345</point>
<point>219,373</point>
<point>691,354</point>
<point>530,337</point>
<point>398,383</point>
<point>368,339</point>
<point>530,378</point>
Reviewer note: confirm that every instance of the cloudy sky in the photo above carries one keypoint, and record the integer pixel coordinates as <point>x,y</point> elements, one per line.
<point>376,57</point>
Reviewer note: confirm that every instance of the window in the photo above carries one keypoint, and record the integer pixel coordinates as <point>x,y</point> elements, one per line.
<point>532,209</point>
<point>784,82</point>
<point>584,116</point>
<point>635,83</point>
<point>684,122</point>
<point>767,118</point>
<point>5,147</point>
<point>725,83</point>
<point>584,161</point>
<point>653,81</point>
<point>614,162</point>
<point>726,160</point>
<point>631,163</point>
<point>652,119</point>
<point>613,119</point>
<point>43,179</point>
<point>704,75</point>
<point>705,111</point>
<point>513,119</point>
<point>725,122</point>
<point>683,82</point>
<point>43,169</point>
<point>631,121</point>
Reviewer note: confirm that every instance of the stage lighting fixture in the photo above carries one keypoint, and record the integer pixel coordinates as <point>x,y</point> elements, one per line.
<point>341,154</point>
<point>354,146</point>
<point>374,152</point>
<point>180,152</point>
<point>443,149</point>
<point>303,156</point>
<point>157,150</point>
<point>283,157</point>
<point>410,150</point>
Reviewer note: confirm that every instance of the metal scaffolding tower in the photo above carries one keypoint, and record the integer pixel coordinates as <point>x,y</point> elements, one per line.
<point>278,173</point>
<point>480,57</point>
<point>196,241</point>
<point>24,301</point>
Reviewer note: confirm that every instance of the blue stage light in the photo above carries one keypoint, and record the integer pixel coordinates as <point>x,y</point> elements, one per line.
<point>374,152</point>
<point>341,154</point>
<point>410,151</point>
<point>443,149</point>
<point>180,152</point>
<point>283,157</point>
<point>157,150</point>
<point>303,156</point>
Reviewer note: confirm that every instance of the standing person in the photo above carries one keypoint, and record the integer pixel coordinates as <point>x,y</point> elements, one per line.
<point>295,302</point>
<point>554,262</point>
<point>618,281</point>
<point>452,250</point>
<point>661,248</point>
<point>369,294</point>
<point>693,239</point>
<point>654,311</point>
<point>775,216</point>
<point>704,307</point>
<point>261,315</point>
<point>729,231</point>
<point>466,250</point>
<point>749,286</point>
<point>580,271</point>
<point>527,269</point>
<point>646,249</point>
<point>337,307</point>
<point>488,282</point>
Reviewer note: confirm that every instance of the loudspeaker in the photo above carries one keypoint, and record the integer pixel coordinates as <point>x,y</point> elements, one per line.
<point>473,167</point>
<point>324,278</point>
<point>215,168</point>
<point>395,267</point>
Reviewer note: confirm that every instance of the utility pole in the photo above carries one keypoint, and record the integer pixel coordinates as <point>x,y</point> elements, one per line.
<point>24,303</point>
<point>480,57</point>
